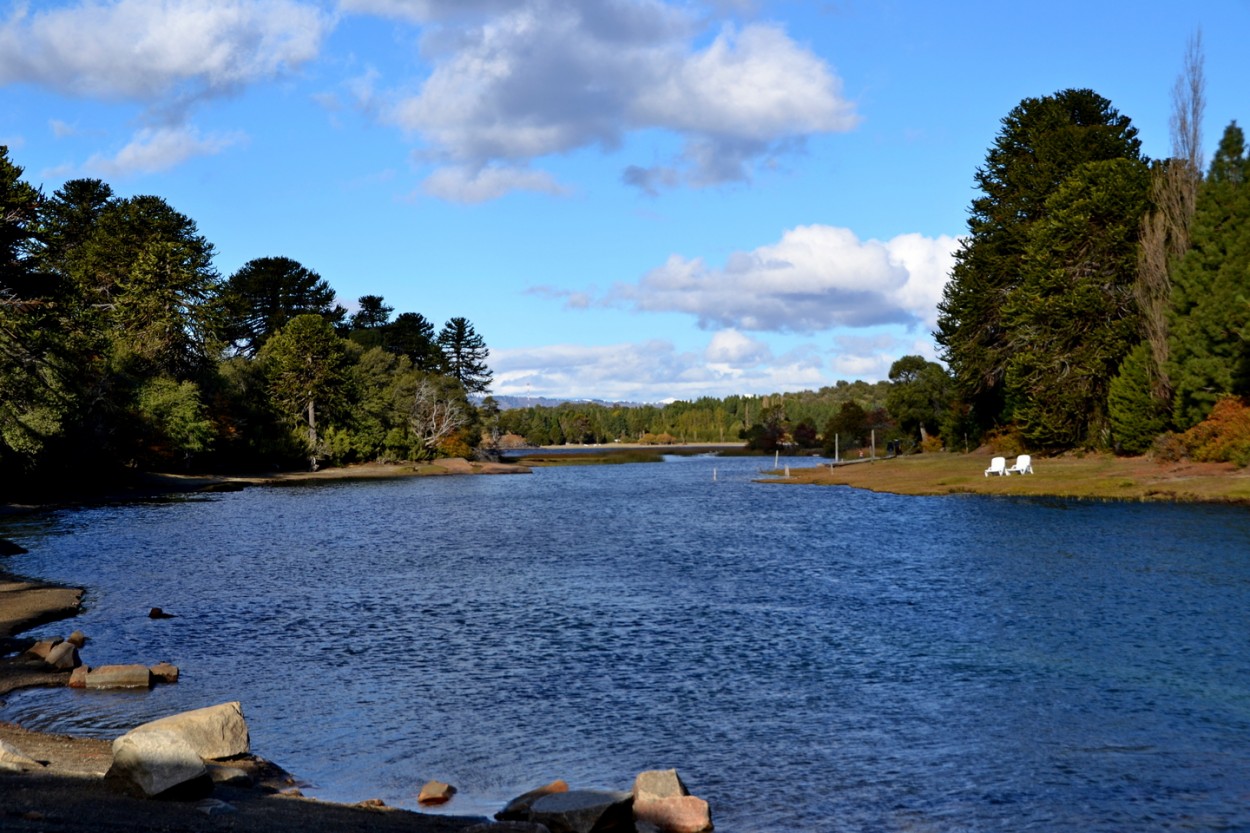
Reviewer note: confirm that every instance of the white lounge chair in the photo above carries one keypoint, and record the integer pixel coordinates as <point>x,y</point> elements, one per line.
<point>1024,465</point>
<point>997,466</point>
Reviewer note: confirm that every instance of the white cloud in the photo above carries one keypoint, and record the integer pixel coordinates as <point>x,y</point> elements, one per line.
<point>465,185</point>
<point>730,347</point>
<point>157,50</point>
<point>155,150</point>
<point>649,371</point>
<point>815,278</point>
<point>542,77</point>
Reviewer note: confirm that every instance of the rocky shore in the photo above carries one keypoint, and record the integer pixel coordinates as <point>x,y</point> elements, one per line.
<point>196,772</point>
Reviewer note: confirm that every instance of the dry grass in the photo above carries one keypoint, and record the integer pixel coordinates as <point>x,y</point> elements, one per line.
<point>1091,476</point>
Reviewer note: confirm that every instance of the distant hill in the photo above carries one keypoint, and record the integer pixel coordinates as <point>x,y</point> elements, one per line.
<point>508,403</point>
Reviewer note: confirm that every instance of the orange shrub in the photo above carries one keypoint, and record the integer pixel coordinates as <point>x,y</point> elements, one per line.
<point>1224,436</point>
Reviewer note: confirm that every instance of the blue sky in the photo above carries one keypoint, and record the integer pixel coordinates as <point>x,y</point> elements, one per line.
<point>630,199</point>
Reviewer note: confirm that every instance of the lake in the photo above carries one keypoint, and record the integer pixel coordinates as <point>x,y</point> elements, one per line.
<point>808,658</point>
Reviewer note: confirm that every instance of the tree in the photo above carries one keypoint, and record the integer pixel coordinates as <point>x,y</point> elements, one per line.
<point>464,355</point>
<point>411,334</point>
<point>266,293</point>
<point>437,412</point>
<point>1165,232</point>
<point>920,395</point>
<point>1042,142</point>
<point>1136,415</point>
<point>308,368</point>
<point>1208,359</point>
<point>848,428</point>
<point>1072,317</point>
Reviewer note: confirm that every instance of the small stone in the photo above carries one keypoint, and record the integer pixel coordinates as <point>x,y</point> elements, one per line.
<point>157,613</point>
<point>658,783</point>
<point>78,677</point>
<point>163,672</point>
<point>372,804</point>
<point>436,792</point>
<point>13,759</point>
<point>291,792</point>
<point>63,657</point>
<point>214,807</point>
<point>77,639</point>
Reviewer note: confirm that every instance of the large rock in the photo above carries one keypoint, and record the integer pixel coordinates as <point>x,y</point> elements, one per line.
<point>158,763</point>
<point>13,759</point>
<point>214,732</point>
<point>674,814</point>
<point>584,811</point>
<point>120,676</point>
<point>63,657</point>
<point>7,547</point>
<point>164,672</point>
<point>43,648</point>
<point>518,809</point>
<point>658,783</point>
<point>435,792</point>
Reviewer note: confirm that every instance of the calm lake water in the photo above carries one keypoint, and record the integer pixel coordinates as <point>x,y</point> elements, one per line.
<point>809,659</point>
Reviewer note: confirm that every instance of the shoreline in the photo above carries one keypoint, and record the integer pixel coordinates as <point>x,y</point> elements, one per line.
<point>69,792</point>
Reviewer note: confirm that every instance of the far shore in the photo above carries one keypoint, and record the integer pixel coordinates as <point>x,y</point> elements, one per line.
<point>1089,476</point>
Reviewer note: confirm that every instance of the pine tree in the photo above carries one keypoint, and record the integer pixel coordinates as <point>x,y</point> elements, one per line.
<point>1209,359</point>
<point>464,354</point>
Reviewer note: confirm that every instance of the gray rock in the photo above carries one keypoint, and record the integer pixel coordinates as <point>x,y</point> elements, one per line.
<point>585,811</point>
<point>155,762</point>
<point>120,676</point>
<point>214,732</point>
<point>518,809</point>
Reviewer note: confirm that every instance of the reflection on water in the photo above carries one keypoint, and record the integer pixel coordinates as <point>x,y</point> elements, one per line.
<point>808,658</point>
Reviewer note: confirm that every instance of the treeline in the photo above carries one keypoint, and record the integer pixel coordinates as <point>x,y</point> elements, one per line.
<point>1100,297</point>
<point>121,346</point>
<point>852,409</point>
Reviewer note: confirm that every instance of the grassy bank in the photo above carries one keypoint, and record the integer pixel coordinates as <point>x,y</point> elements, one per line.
<point>1091,476</point>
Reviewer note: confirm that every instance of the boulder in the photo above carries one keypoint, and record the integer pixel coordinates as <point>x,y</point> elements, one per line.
<point>658,783</point>
<point>78,677</point>
<point>158,762</point>
<point>518,809</point>
<point>584,811</point>
<point>13,759</point>
<point>163,672</point>
<point>63,657</point>
<point>214,732</point>
<point>77,639</point>
<point>120,676</point>
<point>42,648</point>
<point>674,814</point>
<point>435,792</point>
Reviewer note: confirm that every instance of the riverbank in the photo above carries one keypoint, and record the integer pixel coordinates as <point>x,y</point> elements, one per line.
<point>68,793</point>
<point>1092,476</point>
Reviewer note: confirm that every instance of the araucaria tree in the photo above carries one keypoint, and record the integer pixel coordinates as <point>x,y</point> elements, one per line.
<point>464,354</point>
<point>266,293</point>
<point>1057,162</point>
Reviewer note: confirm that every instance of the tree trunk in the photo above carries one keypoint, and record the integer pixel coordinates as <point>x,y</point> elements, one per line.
<point>312,435</point>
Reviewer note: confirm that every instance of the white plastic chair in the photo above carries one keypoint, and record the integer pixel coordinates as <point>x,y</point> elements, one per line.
<point>1024,465</point>
<point>997,466</point>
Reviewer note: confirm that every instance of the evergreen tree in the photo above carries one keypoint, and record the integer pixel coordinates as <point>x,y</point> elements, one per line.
<point>268,292</point>
<point>1208,357</point>
<point>1042,142</point>
<point>1135,413</point>
<point>411,334</point>
<point>464,355</point>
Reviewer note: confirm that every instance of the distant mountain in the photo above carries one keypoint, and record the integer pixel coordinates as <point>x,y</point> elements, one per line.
<point>508,403</point>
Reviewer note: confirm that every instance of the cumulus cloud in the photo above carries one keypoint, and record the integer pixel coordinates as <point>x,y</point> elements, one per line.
<point>514,82</point>
<point>467,185</point>
<point>157,50</point>
<point>646,371</point>
<point>154,150</point>
<point>815,278</point>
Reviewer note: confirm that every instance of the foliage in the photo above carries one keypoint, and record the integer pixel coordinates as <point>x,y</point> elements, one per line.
<point>1224,436</point>
<point>1208,357</point>
<point>464,355</point>
<point>175,420</point>
<point>1137,416</point>
<point>1042,143</point>
<point>920,395</point>
<point>265,294</point>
